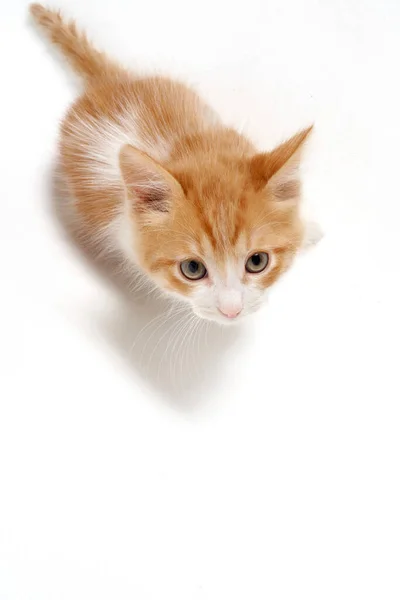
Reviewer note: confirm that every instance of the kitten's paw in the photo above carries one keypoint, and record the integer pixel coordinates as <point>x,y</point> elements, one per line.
<point>313,234</point>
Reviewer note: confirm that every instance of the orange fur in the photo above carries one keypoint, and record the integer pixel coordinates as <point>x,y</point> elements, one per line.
<point>154,174</point>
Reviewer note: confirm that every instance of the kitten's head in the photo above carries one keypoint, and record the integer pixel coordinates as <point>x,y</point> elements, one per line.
<point>216,229</point>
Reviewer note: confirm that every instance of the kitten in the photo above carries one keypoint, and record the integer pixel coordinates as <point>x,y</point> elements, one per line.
<point>155,176</point>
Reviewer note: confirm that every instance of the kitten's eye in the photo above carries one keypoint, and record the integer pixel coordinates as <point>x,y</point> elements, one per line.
<point>193,269</point>
<point>257,262</point>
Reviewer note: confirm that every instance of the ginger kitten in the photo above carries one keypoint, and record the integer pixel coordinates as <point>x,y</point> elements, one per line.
<point>155,176</point>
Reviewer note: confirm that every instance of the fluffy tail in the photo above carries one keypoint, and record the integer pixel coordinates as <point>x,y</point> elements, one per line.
<point>84,58</point>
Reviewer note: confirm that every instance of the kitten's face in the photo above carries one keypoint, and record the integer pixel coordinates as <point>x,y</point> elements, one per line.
<point>217,235</point>
<point>222,260</point>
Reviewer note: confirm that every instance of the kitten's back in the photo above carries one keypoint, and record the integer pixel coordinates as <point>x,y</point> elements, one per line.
<point>117,108</point>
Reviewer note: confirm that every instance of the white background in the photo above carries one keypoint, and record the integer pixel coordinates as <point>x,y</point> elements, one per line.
<point>260,463</point>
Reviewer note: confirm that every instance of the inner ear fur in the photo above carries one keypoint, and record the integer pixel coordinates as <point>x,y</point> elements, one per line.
<point>149,186</point>
<point>279,169</point>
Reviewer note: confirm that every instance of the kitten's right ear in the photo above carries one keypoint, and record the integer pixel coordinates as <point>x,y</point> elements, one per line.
<point>278,170</point>
<point>149,186</point>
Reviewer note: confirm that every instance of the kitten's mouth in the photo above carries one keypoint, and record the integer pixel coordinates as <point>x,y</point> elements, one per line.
<point>219,317</point>
<point>229,315</point>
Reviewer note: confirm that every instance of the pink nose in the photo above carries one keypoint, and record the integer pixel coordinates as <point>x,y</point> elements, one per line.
<point>230,313</point>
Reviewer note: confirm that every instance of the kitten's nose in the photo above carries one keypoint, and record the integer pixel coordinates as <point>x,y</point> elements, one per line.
<point>230,303</point>
<point>230,313</point>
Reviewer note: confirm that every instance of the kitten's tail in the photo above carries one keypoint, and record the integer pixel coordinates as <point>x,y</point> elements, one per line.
<point>84,58</point>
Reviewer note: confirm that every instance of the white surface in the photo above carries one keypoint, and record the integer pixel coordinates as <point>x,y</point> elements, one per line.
<point>276,476</point>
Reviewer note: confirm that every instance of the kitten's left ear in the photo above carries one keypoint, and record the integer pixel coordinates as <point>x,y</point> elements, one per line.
<point>278,170</point>
<point>149,186</point>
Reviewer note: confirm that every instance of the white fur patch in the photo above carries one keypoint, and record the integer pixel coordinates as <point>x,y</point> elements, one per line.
<point>100,141</point>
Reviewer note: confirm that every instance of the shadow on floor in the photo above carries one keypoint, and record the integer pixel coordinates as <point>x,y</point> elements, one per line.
<point>174,352</point>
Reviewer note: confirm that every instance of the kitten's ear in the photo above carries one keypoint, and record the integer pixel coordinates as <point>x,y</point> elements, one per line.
<point>279,169</point>
<point>149,186</point>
